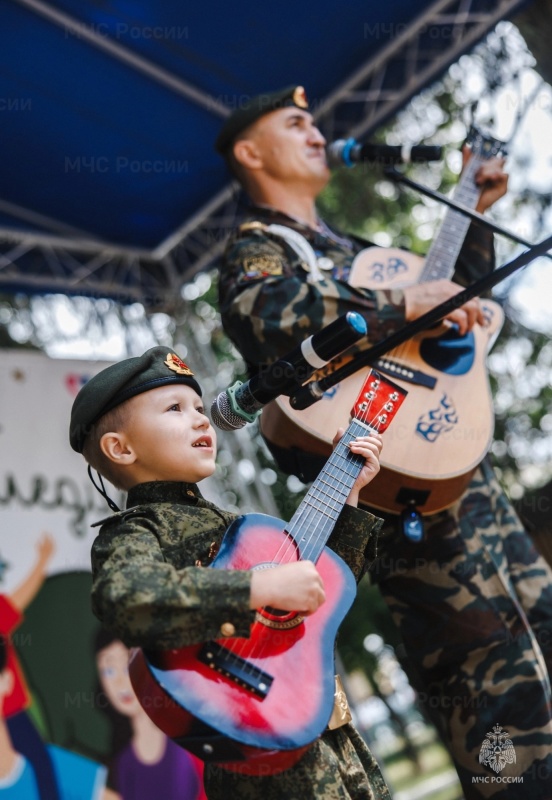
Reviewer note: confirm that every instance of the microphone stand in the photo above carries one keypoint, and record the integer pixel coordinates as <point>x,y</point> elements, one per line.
<point>310,393</point>
<point>475,216</point>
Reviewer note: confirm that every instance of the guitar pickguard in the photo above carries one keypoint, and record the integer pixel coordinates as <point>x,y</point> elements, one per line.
<point>449,353</point>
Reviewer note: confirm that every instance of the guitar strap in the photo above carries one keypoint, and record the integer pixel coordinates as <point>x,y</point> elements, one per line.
<point>301,246</point>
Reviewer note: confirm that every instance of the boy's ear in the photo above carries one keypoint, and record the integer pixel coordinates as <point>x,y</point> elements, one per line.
<point>117,448</point>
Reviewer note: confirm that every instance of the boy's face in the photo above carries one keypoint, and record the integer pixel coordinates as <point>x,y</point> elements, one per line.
<point>170,436</point>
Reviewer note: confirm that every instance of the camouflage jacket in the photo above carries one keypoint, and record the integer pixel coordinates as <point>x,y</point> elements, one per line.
<point>268,305</point>
<point>150,585</point>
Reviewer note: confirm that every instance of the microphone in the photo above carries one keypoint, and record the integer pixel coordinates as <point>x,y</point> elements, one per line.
<point>242,402</point>
<point>350,152</point>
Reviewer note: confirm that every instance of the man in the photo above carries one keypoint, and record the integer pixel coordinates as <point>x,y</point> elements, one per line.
<point>473,601</point>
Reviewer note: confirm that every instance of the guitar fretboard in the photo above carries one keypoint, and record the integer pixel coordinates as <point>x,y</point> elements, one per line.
<point>314,520</point>
<point>446,246</point>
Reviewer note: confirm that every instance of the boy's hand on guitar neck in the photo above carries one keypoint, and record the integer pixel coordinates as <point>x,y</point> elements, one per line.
<point>370,448</point>
<point>422,297</point>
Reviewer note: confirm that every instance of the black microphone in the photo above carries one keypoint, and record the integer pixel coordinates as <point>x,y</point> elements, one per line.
<point>350,152</point>
<point>241,403</point>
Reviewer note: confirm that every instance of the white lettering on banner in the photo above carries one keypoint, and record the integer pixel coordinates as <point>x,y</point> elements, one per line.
<point>44,486</point>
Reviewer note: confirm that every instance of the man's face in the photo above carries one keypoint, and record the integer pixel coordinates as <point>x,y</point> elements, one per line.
<point>170,435</point>
<point>291,148</point>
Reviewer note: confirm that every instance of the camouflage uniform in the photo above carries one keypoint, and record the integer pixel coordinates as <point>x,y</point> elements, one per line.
<point>474,601</point>
<point>149,588</point>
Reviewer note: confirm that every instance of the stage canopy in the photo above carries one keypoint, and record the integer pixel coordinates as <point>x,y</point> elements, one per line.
<point>109,184</point>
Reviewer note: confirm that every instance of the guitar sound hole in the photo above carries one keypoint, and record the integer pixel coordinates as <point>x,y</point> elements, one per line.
<point>277,614</point>
<point>276,618</point>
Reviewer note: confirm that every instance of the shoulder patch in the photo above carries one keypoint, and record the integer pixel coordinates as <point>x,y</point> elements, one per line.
<point>259,266</point>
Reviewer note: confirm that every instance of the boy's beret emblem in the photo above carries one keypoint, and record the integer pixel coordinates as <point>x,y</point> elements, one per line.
<point>177,365</point>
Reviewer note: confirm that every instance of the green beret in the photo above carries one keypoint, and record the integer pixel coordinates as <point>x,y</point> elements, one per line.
<point>158,366</point>
<point>255,108</point>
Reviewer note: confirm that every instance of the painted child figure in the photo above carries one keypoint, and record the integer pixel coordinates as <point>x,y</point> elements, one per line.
<point>141,424</point>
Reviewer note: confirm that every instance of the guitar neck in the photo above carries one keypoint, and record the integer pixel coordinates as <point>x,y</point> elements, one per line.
<point>444,251</point>
<point>315,518</point>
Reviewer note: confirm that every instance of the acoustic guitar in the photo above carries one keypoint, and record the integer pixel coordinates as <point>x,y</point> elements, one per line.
<point>442,434</point>
<point>255,705</point>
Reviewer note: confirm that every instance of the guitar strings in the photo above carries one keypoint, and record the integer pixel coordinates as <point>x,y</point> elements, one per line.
<point>407,351</point>
<point>348,469</point>
<point>288,549</point>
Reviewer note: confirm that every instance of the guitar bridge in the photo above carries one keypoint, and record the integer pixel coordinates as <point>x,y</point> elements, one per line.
<point>237,669</point>
<point>404,373</point>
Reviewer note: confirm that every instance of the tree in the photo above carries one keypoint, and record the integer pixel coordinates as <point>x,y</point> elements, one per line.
<point>534,23</point>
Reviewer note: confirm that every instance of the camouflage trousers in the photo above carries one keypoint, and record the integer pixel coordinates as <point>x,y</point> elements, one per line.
<point>338,766</point>
<point>473,604</point>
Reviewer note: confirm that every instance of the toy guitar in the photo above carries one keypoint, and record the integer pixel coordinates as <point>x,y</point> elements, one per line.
<point>255,705</point>
<point>444,431</point>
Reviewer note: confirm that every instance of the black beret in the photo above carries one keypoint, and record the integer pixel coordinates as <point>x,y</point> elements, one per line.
<point>256,107</point>
<point>158,366</point>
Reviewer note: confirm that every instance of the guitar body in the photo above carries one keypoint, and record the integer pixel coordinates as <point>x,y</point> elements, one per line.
<point>440,436</point>
<point>213,699</point>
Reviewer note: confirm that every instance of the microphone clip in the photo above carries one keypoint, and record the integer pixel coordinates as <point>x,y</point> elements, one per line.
<point>236,407</point>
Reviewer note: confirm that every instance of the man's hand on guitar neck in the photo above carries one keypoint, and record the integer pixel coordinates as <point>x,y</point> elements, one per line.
<point>491,178</point>
<point>422,297</point>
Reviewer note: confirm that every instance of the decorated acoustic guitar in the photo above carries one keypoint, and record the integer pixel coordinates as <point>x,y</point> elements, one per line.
<point>254,705</point>
<point>444,431</point>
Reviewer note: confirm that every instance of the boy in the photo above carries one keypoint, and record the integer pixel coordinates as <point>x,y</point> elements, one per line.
<point>141,424</point>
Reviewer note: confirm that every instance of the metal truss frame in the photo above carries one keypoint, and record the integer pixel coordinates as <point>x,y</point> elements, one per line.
<point>71,263</point>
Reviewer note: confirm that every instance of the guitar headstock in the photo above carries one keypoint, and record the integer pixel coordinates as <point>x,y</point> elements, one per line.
<point>483,145</point>
<point>378,401</point>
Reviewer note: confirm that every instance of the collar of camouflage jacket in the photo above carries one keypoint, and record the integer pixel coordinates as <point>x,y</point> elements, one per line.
<point>163,492</point>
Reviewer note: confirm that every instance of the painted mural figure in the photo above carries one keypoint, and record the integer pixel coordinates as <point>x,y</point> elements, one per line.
<point>16,698</point>
<point>149,764</point>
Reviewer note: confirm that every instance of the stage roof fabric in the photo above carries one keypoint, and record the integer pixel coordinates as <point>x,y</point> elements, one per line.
<point>109,183</point>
